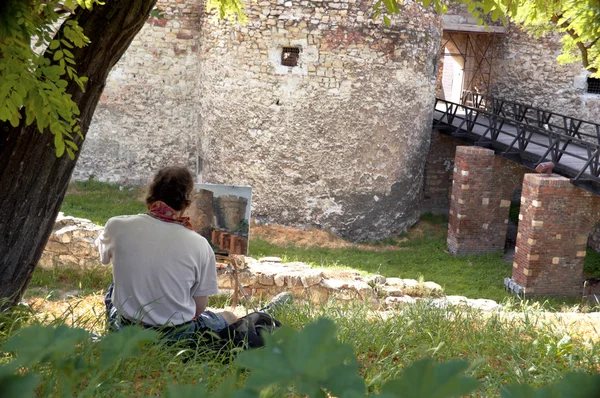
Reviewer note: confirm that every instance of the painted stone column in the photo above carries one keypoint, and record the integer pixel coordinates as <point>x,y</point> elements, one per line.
<point>478,212</point>
<point>555,220</point>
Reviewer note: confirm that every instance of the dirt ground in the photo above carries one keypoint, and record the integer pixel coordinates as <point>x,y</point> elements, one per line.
<point>288,236</point>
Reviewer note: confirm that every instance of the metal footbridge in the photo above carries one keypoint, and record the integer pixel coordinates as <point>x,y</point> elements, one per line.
<point>526,135</point>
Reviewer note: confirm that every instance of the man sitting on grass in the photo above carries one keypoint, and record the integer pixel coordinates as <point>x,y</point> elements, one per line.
<point>164,271</point>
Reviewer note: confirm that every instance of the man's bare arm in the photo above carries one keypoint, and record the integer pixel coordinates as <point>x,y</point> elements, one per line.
<point>201,303</point>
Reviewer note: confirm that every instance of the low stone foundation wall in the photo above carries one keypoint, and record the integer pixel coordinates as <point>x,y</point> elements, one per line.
<point>269,276</point>
<point>72,245</point>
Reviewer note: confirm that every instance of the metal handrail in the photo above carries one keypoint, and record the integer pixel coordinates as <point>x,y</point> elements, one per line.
<point>556,143</point>
<point>533,115</point>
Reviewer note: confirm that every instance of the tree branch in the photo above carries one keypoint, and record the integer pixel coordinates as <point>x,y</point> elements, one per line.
<point>582,47</point>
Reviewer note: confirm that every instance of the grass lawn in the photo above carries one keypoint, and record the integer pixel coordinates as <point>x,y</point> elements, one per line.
<point>419,253</point>
<point>98,201</point>
<point>525,346</point>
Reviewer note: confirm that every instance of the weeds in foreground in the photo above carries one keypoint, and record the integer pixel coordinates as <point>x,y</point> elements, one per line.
<point>524,347</point>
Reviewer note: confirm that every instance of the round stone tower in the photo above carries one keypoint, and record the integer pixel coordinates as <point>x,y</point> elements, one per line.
<point>323,111</point>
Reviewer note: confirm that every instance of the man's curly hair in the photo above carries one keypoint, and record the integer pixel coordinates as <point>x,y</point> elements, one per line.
<point>173,185</point>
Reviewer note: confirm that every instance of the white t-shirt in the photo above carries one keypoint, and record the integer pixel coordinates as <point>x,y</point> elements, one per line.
<point>158,268</point>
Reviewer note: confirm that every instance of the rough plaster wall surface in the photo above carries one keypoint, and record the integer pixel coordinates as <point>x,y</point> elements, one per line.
<point>338,142</point>
<point>528,72</point>
<point>147,116</point>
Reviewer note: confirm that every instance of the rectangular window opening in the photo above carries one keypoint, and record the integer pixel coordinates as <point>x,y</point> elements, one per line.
<point>290,56</point>
<point>593,85</point>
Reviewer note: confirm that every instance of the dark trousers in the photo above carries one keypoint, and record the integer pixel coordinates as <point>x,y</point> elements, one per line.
<point>208,328</point>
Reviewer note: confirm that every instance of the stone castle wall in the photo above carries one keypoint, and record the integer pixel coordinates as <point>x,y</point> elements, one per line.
<point>338,141</point>
<point>147,116</point>
<point>527,72</point>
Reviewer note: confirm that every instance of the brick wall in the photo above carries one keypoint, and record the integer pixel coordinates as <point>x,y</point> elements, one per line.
<point>555,221</point>
<point>478,211</point>
<point>438,173</point>
<point>437,188</point>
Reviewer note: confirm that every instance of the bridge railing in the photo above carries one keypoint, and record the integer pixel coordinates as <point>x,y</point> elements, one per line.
<point>553,121</point>
<point>487,127</point>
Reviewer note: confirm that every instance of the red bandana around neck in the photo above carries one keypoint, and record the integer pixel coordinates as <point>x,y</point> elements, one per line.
<point>162,211</point>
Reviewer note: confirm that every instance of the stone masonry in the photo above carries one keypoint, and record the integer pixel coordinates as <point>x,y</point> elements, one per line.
<point>71,246</point>
<point>527,71</point>
<point>437,185</point>
<point>437,188</point>
<point>555,220</point>
<point>337,142</point>
<point>148,113</point>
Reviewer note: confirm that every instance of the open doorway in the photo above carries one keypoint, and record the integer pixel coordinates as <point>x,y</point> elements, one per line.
<point>452,74</point>
<point>466,64</point>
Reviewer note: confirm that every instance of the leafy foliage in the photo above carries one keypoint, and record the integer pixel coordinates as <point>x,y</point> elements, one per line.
<point>313,360</point>
<point>58,347</point>
<point>228,9</point>
<point>37,64</point>
<point>311,363</point>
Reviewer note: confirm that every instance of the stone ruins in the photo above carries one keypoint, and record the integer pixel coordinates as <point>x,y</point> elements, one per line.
<point>72,245</point>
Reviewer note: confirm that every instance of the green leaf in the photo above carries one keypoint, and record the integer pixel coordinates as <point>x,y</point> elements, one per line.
<point>572,385</point>
<point>4,113</point>
<point>427,379</point>
<point>66,43</point>
<point>309,360</point>
<point>54,44</point>
<point>59,143</point>
<point>24,386</point>
<point>30,117</point>
<point>125,344</point>
<point>44,343</point>
<point>71,144</point>
<point>16,99</point>
<point>386,20</point>
<point>14,119</point>
<point>487,6</point>
<point>58,55</point>
<point>70,153</point>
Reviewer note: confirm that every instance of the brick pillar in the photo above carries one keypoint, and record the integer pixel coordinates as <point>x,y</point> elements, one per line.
<point>478,212</point>
<point>554,224</point>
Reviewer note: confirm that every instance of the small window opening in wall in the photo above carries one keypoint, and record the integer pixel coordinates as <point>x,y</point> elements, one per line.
<point>290,56</point>
<point>593,85</point>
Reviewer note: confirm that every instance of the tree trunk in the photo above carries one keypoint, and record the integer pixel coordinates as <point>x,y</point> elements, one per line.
<point>33,181</point>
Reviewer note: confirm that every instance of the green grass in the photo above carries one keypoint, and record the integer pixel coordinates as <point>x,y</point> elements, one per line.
<point>98,201</point>
<point>524,349</point>
<point>418,254</point>
<point>54,283</point>
<point>472,276</point>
